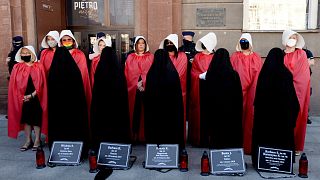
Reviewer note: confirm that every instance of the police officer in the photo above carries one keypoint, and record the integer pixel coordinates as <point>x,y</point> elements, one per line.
<point>188,48</point>
<point>188,45</point>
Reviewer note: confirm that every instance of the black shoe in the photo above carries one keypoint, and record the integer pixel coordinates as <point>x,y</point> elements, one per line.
<point>309,121</point>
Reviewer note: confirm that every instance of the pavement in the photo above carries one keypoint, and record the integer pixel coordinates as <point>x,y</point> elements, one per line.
<point>16,165</point>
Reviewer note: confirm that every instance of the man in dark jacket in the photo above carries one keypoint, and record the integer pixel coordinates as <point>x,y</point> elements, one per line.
<point>188,45</point>
<point>17,43</point>
<point>311,63</point>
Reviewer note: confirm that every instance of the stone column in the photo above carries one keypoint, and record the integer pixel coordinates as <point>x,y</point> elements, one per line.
<point>30,23</point>
<point>164,18</point>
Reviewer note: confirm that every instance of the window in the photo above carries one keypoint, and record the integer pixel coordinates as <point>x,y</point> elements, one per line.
<point>100,12</point>
<point>121,12</point>
<point>280,14</point>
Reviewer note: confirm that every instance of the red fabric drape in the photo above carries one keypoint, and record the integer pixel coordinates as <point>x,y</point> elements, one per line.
<point>137,66</point>
<point>248,68</point>
<point>46,59</point>
<point>180,63</point>
<point>17,87</point>
<point>200,64</point>
<point>81,61</point>
<point>94,64</point>
<point>298,65</point>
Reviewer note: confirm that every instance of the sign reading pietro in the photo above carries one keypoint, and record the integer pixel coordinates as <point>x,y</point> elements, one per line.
<point>85,12</point>
<point>85,5</point>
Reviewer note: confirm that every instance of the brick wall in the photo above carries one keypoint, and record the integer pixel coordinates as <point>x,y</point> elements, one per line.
<point>5,39</point>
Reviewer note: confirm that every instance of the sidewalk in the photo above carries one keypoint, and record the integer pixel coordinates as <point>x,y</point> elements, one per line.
<point>21,165</point>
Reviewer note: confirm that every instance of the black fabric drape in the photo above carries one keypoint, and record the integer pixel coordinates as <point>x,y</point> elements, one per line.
<point>137,110</point>
<point>67,107</point>
<point>163,102</point>
<point>221,104</point>
<point>109,107</point>
<point>276,106</point>
<point>31,110</point>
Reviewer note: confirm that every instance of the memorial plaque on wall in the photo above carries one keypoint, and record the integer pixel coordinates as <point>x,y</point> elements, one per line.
<point>162,156</point>
<point>85,12</point>
<point>275,160</point>
<point>227,161</point>
<point>211,17</point>
<point>65,153</point>
<point>114,155</point>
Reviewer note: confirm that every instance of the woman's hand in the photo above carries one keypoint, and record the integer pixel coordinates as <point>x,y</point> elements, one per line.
<point>27,98</point>
<point>140,86</point>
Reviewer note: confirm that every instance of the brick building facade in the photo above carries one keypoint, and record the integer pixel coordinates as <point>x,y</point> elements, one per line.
<point>154,19</point>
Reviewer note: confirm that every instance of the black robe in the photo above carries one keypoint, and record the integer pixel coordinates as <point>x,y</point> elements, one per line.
<point>221,104</point>
<point>276,106</point>
<point>164,119</point>
<point>109,106</point>
<point>67,107</point>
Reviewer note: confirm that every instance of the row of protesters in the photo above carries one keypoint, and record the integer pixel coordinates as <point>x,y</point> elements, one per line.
<point>148,97</point>
<point>247,64</point>
<point>153,90</point>
<point>63,110</point>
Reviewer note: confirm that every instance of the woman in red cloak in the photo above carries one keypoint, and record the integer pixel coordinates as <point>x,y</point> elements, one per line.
<point>136,69</point>
<point>248,64</point>
<point>205,46</point>
<point>295,60</point>
<point>49,43</point>
<point>97,49</point>
<point>27,98</point>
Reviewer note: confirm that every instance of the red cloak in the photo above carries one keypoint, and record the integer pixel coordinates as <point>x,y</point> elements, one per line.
<point>17,87</point>
<point>180,63</point>
<point>94,64</point>
<point>200,64</point>
<point>298,65</point>
<point>137,66</point>
<point>46,58</point>
<point>248,67</point>
<point>81,61</point>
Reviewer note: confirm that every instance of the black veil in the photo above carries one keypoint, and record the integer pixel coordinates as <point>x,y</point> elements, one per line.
<point>221,103</point>
<point>109,106</point>
<point>67,107</point>
<point>276,106</point>
<point>163,102</point>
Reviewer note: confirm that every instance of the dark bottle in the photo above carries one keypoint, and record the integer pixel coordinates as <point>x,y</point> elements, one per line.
<point>40,158</point>
<point>303,166</point>
<point>205,167</point>
<point>184,161</point>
